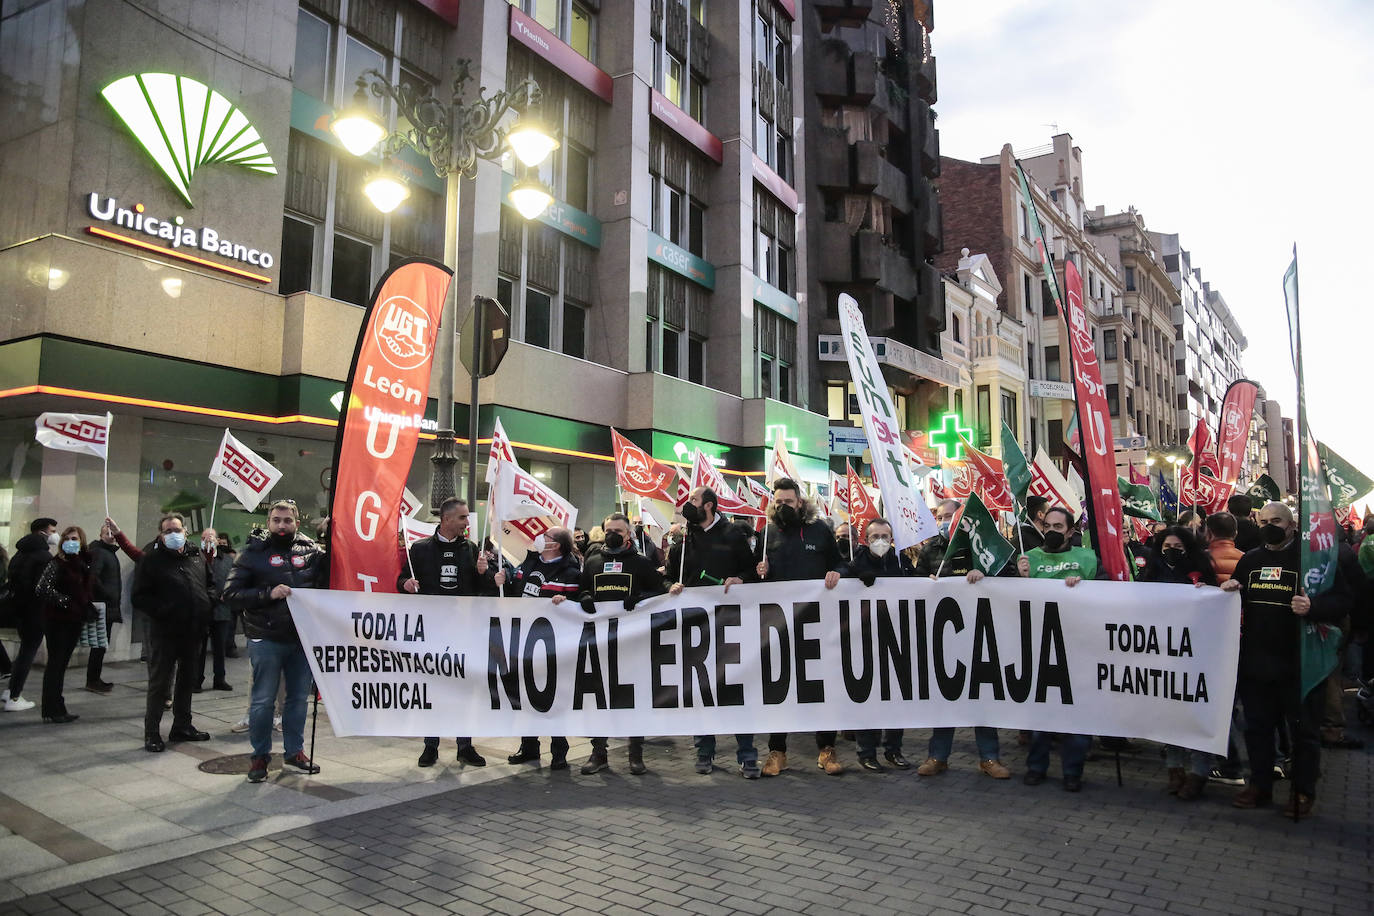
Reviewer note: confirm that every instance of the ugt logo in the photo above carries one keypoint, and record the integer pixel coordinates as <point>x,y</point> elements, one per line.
<point>401,333</point>
<point>184,124</point>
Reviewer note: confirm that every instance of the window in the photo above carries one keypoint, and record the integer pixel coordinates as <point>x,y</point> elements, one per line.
<point>772,101</point>
<point>311,72</point>
<point>1114,399</point>
<point>546,282</point>
<point>538,308</point>
<point>1028,307</point>
<point>571,20</point>
<point>351,277</point>
<point>1130,279</point>
<point>954,330</point>
<point>775,347</point>
<point>774,242</point>
<point>1109,344</point>
<point>1025,221</point>
<point>1010,415</point>
<point>1052,364</point>
<point>297,255</point>
<point>1047,307</point>
<point>681,51</point>
<point>678,315</point>
<point>983,422</point>
<point>1054,430</point>
<point>677,179</point>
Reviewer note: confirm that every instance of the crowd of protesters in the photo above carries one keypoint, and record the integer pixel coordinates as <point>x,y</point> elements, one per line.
<point>61,589</point>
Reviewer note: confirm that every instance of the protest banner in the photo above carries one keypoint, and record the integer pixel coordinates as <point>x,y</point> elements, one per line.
<point>1233,430</point>
<point>1146,660</point>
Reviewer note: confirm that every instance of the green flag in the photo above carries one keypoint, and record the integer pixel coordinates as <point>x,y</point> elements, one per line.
<point>1264,490</point>
<point>1316,519</point>
<point>1014,467</point>
<point>1137,499</point>
<point>1347,484</point>
<point>1320,648</point>
<point>988,551</point>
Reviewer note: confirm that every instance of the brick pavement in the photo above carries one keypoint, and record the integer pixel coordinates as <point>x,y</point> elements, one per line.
<point>676,842</point>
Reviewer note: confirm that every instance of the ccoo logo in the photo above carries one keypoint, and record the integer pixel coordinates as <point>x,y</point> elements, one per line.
<point>401,333</point>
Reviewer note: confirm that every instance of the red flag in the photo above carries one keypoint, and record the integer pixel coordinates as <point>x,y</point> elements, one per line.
<point>1099,454</point>
<point>1138,477</point>
<point>636,472</point>
<point>761,497</point>
<point>380,425</point>
<point>862,509</point>
<point>988,480</point>
<point>1237,410</point>
<point>1354,520</point>
<point>1200,444</point>
<point>704,474</point>
<point>1141,528</point>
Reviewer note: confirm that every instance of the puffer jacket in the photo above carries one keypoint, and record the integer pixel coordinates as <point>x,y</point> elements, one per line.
<point>260,567</point>
<point>173,588</point>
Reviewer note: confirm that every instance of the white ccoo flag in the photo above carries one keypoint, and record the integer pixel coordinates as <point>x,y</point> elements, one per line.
<point>243,472</point>
<point>75,432</point>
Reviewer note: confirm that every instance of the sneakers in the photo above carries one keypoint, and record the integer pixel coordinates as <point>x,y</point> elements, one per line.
<point>994,768</point>
<point>826,760</point>
<point>749,769</point>
<point>896,759</point>
<point>932,767</point>
<point>257,769</point>
<point>276,723</point>
<point>468,754</point>
<point>775,764</point>
<point>1251,797</point>
<point>302,763</point>
<point>704,766</point>
<point>872,765</point>
<point>1225,778</point>
<point>429,755</point>
<point>595,763</point>
<point>17,704</point>
<point>1192,787</point>
<point>241,725</point>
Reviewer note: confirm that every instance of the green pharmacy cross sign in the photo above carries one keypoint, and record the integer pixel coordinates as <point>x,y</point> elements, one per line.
<point>184,124</point>
<point>946,437</point>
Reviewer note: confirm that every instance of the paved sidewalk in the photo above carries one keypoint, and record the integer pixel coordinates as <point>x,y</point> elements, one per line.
<point>525,840</point>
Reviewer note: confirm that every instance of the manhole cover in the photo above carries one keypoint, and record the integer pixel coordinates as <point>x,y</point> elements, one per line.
<point>237,765</point>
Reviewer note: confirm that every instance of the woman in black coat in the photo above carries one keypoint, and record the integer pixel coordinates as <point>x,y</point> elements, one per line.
<point>68,590</point>
<point>1179,558</point>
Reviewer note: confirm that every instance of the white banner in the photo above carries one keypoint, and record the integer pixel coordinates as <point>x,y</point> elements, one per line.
<point>523,508</point>
<point>88,434</point>
<point>243,472</point>
<point>911,520</point>
<point>779,657</point>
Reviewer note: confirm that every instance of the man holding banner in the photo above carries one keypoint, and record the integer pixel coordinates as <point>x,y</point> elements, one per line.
<point>447,563</point>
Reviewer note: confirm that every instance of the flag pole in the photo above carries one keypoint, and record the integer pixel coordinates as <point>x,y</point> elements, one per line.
<point>213,501</point>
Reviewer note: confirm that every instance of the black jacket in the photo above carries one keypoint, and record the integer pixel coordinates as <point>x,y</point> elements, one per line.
<point>627,576</point>
<point>174,588</point>
<point>31,555</point>
<point>931,559</point>
<point>1269,628</point>
<point>427,557</point>
<point>1248,535</point>
<point>105,565</point>
<point>220,565</point>
<point>536,579</point>
<point>797,554</point>
<point>1031,538</point>
<point>867,567</point>
<point>714,555</point>
<point>259,568</point>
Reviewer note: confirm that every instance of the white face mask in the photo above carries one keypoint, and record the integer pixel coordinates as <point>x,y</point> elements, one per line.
<point>879,547</point>
<point>538,544</point>
<point>54,539</point>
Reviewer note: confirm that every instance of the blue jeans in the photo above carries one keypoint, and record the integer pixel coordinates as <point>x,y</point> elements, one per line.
<point>1195,762</point>
<point>942,742</point>
<point>745,751</point>
<point>273,661</point>
<point>867,740</point>
<point>1073,751</point>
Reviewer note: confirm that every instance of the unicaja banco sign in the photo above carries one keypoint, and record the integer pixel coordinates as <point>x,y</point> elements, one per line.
<point>184,124</point>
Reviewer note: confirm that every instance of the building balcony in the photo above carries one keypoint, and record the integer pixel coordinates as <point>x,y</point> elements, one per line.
<point>931,223</point>
<point>843,12</point>
<point>893,186</point>
<point>836,247</point>
<point>830,159</point>
<point>867,166</point>
<point>851,79</point>
<point>930,142</point>
<point>926,88</point>
<point>869,253</point>
<point>898,275</point>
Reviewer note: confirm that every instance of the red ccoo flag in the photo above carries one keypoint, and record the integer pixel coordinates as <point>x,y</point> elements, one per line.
<point>638,473</point>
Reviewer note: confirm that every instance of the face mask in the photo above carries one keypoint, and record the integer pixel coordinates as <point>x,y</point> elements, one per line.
<point>71,548</point>
<point>538,544</point>
<point>944,528</point>
<point>208,546</point>
<point>1054,541</point>
<point>581,544</point>
<point>1173,555</point>
<point>879,547</point>
<point>283,540</point>
<point>694,514</point>
<point>54,539</point>
<point>174,540</point>
<point>1274,535</point>
<point>614,541</point>
<point>787,517</point>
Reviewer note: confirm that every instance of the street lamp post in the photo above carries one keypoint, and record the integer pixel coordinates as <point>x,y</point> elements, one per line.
<point>455,135</point>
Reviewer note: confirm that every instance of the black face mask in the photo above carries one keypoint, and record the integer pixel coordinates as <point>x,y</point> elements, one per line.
<point>787,517</point>
<point>1055,541</point>
<point>695,515</point>
<point>282,541</point>
<point>1274,535</point>
<point>614,541</point>
<point>1173,555</point>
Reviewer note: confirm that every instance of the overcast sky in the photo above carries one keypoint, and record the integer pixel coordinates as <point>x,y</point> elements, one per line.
<point>1243,126</point>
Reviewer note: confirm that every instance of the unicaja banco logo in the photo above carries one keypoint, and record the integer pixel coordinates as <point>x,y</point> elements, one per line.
<point>184,124</point>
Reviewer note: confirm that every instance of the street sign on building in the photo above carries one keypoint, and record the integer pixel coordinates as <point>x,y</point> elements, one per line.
<point>1044,388</point>
<point>847,440</point>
